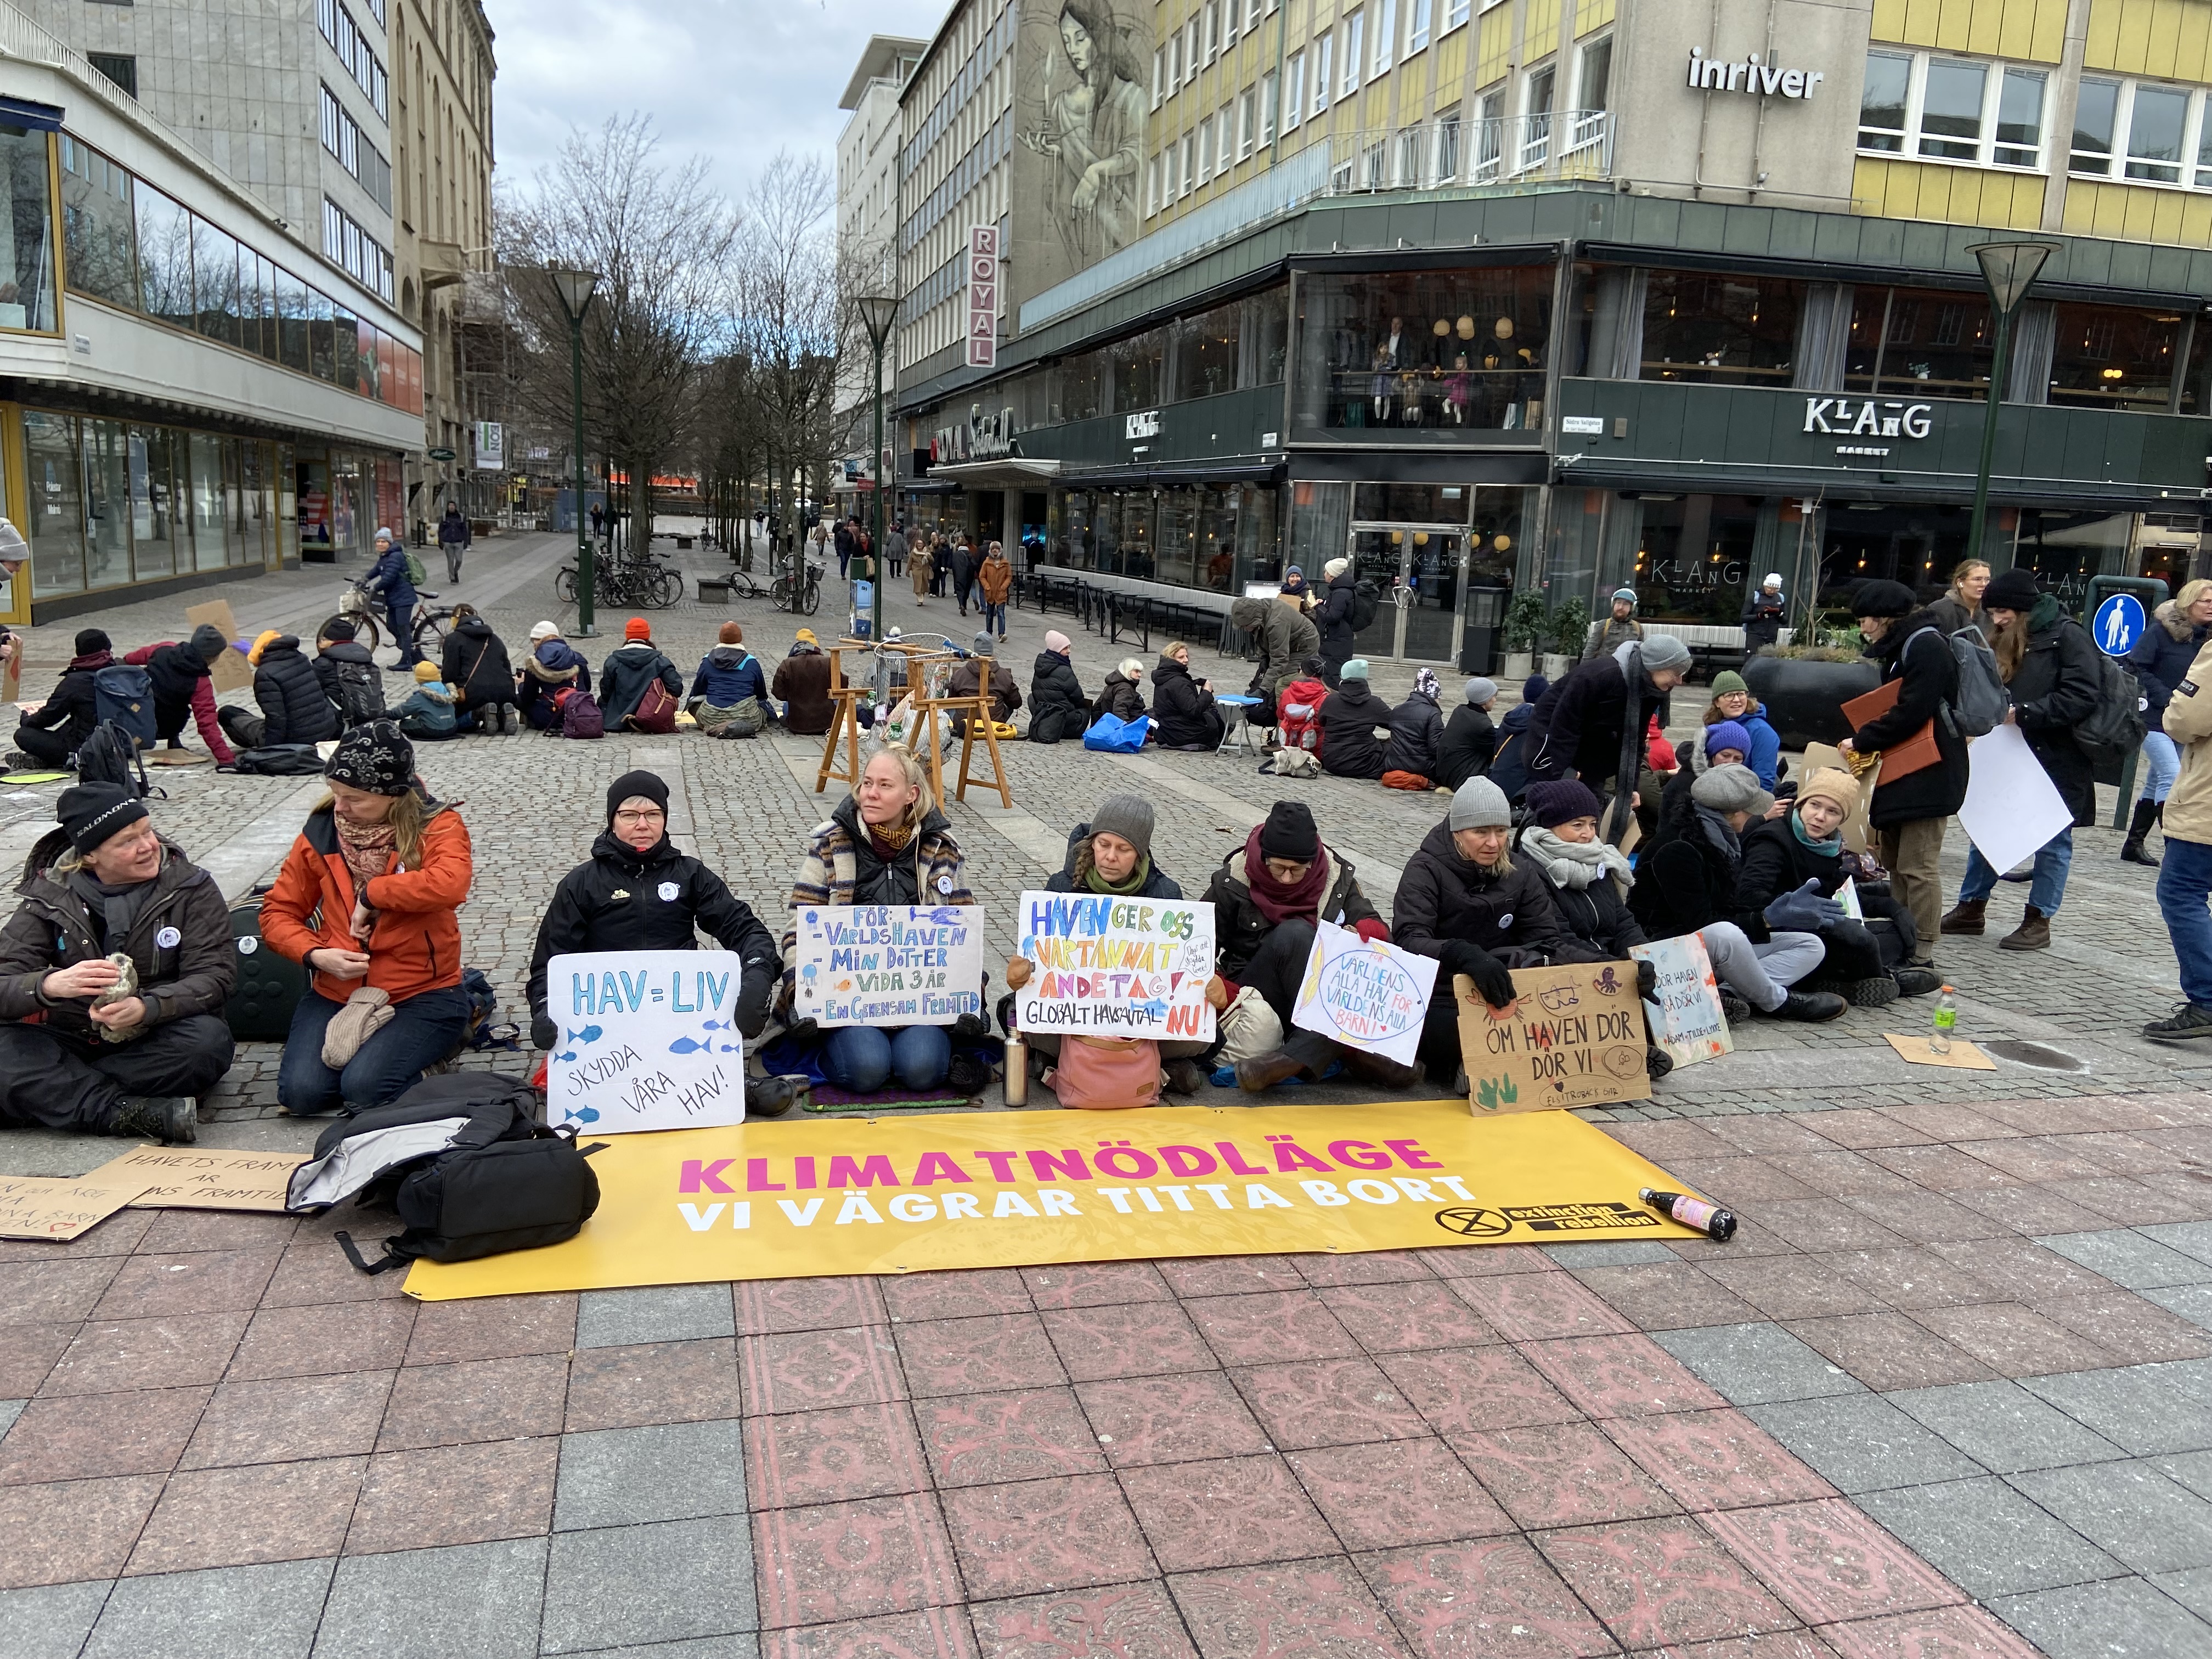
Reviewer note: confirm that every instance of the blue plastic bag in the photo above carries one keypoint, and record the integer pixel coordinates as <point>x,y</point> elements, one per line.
<point>1109,734</point>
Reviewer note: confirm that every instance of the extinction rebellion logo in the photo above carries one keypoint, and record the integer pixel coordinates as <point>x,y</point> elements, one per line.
<point>1472,1223</point>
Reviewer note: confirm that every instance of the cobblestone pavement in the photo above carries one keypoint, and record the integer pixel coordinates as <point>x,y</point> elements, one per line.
<point>1948,1392</point>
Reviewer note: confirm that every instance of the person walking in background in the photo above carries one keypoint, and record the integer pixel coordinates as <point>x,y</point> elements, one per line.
<point>598,522</point>
<point>841,538</point>
<point>1608,634</point>
<point>454,535</point>
<point>920,568</point>
<point>895,548</point>
<point>2184,875</point>
<point>1762,615</point>
<point>995,583</point>
<point>2160,661</point>
<point>964,572</point>
<point>1961,603</point>
<point>940,565</point>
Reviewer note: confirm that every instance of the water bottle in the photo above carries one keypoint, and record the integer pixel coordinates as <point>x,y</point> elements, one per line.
<point>1017,1070</point>
<point>1946,1021</point>
<point>1708,1219</point>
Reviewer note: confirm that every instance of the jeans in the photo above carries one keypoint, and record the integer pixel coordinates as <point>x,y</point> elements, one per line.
<point>995,616</point>
<point>1760,974</point>
<point>401,613</point>
<point>425,1030</point>
<point>2052,860</point>
<point>453,551</point>
<point>2184,877</point>
<point>2165,763</point>
<point>861,1059</point>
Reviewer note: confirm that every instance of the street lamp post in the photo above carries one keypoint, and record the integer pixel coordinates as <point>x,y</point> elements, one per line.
<point>879,311</point>
<point>575,289</point>
<point>2008,269</point>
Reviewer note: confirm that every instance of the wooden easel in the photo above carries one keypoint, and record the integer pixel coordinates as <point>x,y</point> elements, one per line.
<point>845,722</point>
<point>977,708</point>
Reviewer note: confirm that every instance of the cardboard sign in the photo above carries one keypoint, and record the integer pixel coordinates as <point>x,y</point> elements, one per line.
<point>1116,967</point>
<point>201,1177</point>
<point>1692,1026</point>
<point>41,1207</point>
<point>648,1038</point>
<point>230,672</point>
<point>1572,1036</point>
<point>1961,1056</point>
<point>1372,997</point>
<point>888,965</point>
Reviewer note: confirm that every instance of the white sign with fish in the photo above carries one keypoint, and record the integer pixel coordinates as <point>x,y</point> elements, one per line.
<point>888,965</point>
<point>648,1041</point>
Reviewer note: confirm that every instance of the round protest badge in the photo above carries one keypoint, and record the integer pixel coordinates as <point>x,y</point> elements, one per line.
<point>248,946</point>
<point>944,884</point>
<point>1506,921</point>
<point>169,938</point>
<point>669,889</point>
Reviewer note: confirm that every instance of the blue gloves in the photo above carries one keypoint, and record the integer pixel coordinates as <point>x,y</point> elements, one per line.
<point>1803,911</point>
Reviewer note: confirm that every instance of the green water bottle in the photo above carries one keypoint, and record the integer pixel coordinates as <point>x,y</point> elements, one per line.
<point>1946,1021</point>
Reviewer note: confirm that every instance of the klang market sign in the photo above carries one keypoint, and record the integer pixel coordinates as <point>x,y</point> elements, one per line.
<point>981,438</point>
<point>1867,417</point>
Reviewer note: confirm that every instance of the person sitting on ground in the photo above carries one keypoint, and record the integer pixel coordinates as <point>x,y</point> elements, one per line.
<point>74,1056</point>
<point>1732,702</point>
<point>477,669</point>
<point>553,666</point>
<point>1609,633</point>
<point>1298,708</point>
<point>626,673</point>
<point>348,674</point>
<point>1268,896</point>
<point>48,734</point>
<point>294,707</point>
<point>1470,735</point>
<point>1687,884</point>
<point>886,843</point>
<point>1417,736</point>
<point>428,714</point>
<point>730,691</point>
<point>367,903</point>
<point>979,671</point>
<point>1123,694</point>
<point>183,688</point>
<point>1349,716</point>
<point>1591,724</point>
<point>1058,708</point>
<point>1725,743</point>
<point>1183,704</point>
<point>802,681</point>
<point>1509,762</point>
<point>638,892</point>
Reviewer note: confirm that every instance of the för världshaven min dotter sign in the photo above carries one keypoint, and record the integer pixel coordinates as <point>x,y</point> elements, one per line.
<point>648,1040</point>
<point>888,965</point>
<point>1116,967</point>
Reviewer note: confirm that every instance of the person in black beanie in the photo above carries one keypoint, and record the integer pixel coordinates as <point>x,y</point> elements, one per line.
<point>182,688</point>
<point>348,673</point>
<point>638,892</point>
<point>49,736</point>
<point>74,1056</point>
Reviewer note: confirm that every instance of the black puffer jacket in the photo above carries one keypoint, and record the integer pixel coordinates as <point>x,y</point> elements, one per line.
<point>1687,878</point>
<point>1776,862</point>
<point>1417,737</point>
<point>1597,915</point>
<point>1240,927</point>
<point>1589,726</point>
<point>2160,660</point>
<point>1334,618</point>
<point>1470,739</point>
<point>1443,898</point>
<point>1349,747</point>
<point>290,692</point>
<point>476,665</point>
<point>1931,674</point>
<point>1121,696</point>
<point>1068,879</point>
<point>74,707</point>
<point>330,662</point>
<point>176,669</point>
<point>2053,690</point>
<point>1182,706</point>
<point>622,899</point>
<point>1058,708</point>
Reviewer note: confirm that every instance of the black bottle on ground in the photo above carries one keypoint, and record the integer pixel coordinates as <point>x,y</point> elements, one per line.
<point>1708,1219</point>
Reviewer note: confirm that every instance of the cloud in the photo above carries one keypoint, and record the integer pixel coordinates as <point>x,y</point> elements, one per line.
<point>733,80</point>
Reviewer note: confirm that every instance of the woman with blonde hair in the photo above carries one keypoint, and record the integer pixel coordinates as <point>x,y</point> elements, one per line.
<point>1122,696</point>
<point>1961,603</point>
<point>2160,662</point>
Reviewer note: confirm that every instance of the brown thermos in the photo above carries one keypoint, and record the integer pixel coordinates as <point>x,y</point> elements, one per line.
<point>1017,1070</point>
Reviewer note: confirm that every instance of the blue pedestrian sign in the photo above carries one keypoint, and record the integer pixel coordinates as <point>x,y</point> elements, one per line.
<point>2118,624</point>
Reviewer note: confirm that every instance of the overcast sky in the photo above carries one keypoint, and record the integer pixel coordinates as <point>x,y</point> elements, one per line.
<point>735,79</point>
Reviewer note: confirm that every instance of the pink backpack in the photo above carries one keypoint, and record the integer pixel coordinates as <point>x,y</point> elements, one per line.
<point>581,716</point>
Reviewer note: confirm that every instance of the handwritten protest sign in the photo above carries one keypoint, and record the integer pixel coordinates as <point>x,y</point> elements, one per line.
<point>200,1178</point>
<point>1116,967</point>
<point>43,1207</point>
<point>890,964</point>
<point>1692,1026</point>
<point>1572,1036</point>
<point>1368,996</point>
<point>648,1041</point>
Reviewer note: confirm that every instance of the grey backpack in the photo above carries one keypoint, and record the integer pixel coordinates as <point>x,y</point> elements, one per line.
<point>1981,704</point>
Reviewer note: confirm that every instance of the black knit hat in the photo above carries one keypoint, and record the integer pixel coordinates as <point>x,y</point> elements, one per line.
<point>1878,597</point>
<point>90,812</point>
<point>648,784</point>
<point>90,640</point>
<point>2011,590</point>
<point>1290,833</point>
<point>209,643</point>
<point>376,757</point>
<point>340,627</point>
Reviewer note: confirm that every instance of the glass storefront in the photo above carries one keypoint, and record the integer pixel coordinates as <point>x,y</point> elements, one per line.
<point>1444,558</point>
<point>1214,536</point>
<point>1437,351</point>
<point>26,242</point>
<point>1693,556</point>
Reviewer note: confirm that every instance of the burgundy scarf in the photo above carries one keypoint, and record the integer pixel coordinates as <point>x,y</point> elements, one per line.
<point>1277,903</point>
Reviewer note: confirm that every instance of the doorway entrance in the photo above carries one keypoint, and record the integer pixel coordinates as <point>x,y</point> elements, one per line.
<point>1420,570</point>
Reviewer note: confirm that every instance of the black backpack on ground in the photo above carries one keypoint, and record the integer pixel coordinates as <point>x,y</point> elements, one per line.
<point>359,692</point>
<point>281,760</point>
<point>270,985</point>
<point>124,692</point>
<point>110,755</point>
<point>1366,600</point>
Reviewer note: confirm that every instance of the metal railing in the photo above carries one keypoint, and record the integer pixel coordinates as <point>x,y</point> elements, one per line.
<point>1568,144</point>
<point>22,36</point>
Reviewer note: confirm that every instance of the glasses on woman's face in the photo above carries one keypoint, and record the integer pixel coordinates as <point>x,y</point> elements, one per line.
<point>1286,871</point>
<point>639,820</point>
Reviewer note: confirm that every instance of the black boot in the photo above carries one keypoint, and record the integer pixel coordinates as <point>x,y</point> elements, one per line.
<point>2148,812</point>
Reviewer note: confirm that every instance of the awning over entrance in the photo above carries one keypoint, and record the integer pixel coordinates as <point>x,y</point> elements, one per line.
<point>1007,472</point>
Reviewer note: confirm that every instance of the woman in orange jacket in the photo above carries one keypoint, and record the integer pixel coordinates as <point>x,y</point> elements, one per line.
<point>366,903</point>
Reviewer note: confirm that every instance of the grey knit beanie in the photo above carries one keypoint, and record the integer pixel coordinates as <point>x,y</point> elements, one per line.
<point>1479,804</point>
<point>1481,691</point>
<point>1664,651</point>
<point>1129,817</point>
<point>1731,788</point>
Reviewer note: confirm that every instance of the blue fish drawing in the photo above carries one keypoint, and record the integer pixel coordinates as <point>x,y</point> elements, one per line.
<point>947,916</point>
<point>688,1046</point>
<point>583,1115</point>
<point>732,1048</point>
<point>1156,1009</point>
<point>564,1059</point>
<point>715,1026</point>
<point>589,1033</point>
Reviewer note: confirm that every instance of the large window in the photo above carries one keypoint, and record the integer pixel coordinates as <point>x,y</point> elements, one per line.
<point>98,243</point>
<point>1919,343</point>
<point>1952,109</point>
<point>1136,365</point>
<point>1446,350</point>
<point>2103,357</point>
<point>27,252</point>
<point>1723,330</point>
<point>107,502</point>
<point>57,523</point>
<point>165,257</point>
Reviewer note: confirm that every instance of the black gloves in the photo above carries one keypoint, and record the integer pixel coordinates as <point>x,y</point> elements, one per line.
<point>1490,975</point>
<point>754,991</point>
<point>1647,980</point>
<point>544,1033</point>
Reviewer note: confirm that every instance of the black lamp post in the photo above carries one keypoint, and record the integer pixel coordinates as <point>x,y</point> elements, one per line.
<point>2008,269</point>
<point>575,289</point>
<point>878,313</point>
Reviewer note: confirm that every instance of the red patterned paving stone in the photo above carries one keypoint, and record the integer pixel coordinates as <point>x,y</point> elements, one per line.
<point>1628,1375</point>
<point>812,1370</point>
<point>325,1339</point>
<point>1823,1224</point>
<point>1232,1275</point>
<point>1137,1338</point>
<point>476,1400</point>
<point>217,1229</point>
<point>1185,1418</point>
<point>296,1418</point>
<point>1955,1119</point>
<point>2133,1330</point>
<point>85,1435</point>
<point>111,1355</point>
<point>955,1295</point>
<point>1777,1644</point>
<point>2191,1189</point>
<point>1666,1296</point>
<point>71,1530</point>
<point>1655,1583</point>
<point>2015,1341</point>
<point>493,1328</point>
<point>1095,1284</point>
<point>1463,1390</point>
<point>853,1560</point>
<point>1739,1181</point>
<point>650,1382</point>
<point>1833,1169</point>
<point>1939,1169</point>
<point>1930,1219</point>
<point>313,1270</point>
<point>1793,1287</point>
<point>770,1307</point>
<point>1859,1128</point>
<point>1402,1491</point>
<point>1914,1276</point>
<point>1250,1330</point>
<point>2122,1152</point>
<point>1952,1632</point>
<point>1036,1536</point>
<point>1562,1475</point>
<point>120,1235</point>
<point>2130,1203</point>
<point>928,1633</point>
<point>189,1282</point>
<point>37,1292</point>
<point>1716,1460</point>
<point>1485,1598</point>
<point>1417,1313</point>
<point>1672,1138</point>
<point>2031,1210</point>
<point>237,1517</point>
<point>825,1457</point>
<point>972,1356</point>
<point>1119,1621</point>
<point>1324,1268</point>
<point>1529,1307</point>
<point>1769,1134</point>
<point>1887,1351</point>
<point>1234,1512</point>
<point>1312,1609</point>
<point>2035,1157</point>
<point>1328,1402</point>
<point>1485,1260</point>
<point>454,1495</point>
<point>28,1353</point>
<point>1829,1563</point>
<point>1753,1236</point>
<point>1021,1435</point>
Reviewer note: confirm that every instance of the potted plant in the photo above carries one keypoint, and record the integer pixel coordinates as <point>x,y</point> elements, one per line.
<point>1803,685</point>
<point>1570,625</point>
<point>1524,626</point>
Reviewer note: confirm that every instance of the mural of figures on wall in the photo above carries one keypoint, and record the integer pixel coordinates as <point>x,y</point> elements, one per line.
<point>1088,120</point>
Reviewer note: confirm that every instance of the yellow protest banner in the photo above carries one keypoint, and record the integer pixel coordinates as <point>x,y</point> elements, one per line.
<point>892,1195</point>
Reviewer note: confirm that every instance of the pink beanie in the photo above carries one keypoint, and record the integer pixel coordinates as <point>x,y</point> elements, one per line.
<point>1056,640</point>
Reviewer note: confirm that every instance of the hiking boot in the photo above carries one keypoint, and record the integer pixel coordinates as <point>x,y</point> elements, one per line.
<point>1965,917</point>
<point>1380,1070</point>
<point>1913,981</point>
<point>172,1120</point>
<point>1734,1009</point>
<point>1809,1007</point>
<point>2034,932</point>
<point>1876,992</point>
<point>2183,1023</point>
<point>776,1096</point>
<point>1184,1077</point>
<point>1657,1061</point>
<point>1264,1073</point>
<point>2131,850</point>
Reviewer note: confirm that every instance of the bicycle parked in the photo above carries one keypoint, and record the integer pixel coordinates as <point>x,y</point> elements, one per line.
<point>644,582</point>
<point>799,594</point>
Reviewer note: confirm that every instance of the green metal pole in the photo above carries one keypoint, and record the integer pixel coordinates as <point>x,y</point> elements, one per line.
<point>876,625</point>
<point>585,574</point>
<point>1989,437</point>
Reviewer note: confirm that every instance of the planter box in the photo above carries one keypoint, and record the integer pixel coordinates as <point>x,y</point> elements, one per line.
<point>1519,665</point>
<point>1556,666</point>
<point>713,593</point>
<point>1803,698</point>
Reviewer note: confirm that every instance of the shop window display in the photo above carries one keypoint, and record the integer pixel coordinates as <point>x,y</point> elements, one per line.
<point>1444,351</point>
<point>27,246</point>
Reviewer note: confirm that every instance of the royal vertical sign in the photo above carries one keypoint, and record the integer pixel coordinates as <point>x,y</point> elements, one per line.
<point>982,296</point>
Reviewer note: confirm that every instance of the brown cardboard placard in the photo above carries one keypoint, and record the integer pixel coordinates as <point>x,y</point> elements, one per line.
<point>230,672</point>
<point>61,1207</point>
<point>1573,1036</point>
<point>203,1177</point>
<point>1963,1055</point>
